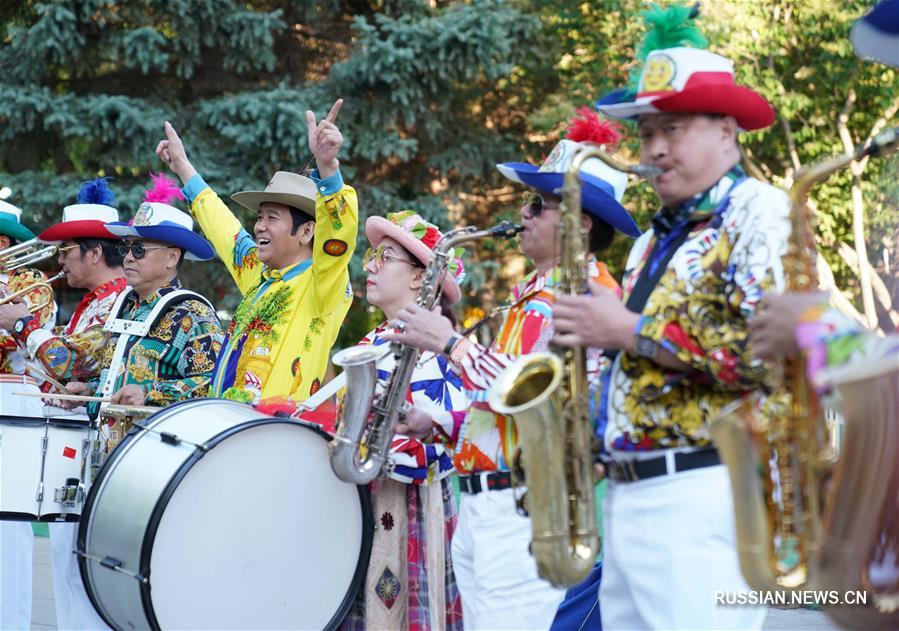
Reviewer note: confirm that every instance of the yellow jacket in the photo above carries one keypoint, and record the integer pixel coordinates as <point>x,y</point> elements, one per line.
<point>279,341</point>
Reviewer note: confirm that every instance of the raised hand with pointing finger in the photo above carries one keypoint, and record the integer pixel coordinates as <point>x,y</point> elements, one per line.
<point>325,140</point>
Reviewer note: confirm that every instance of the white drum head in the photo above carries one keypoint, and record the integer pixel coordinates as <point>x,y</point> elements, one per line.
<point>259,534</point>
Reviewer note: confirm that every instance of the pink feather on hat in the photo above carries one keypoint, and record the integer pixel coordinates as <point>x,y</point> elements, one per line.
<point>586,126</point>
<point>164,190</point>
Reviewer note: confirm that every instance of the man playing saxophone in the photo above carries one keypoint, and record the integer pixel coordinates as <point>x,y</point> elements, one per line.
<point>690,284</point>
<point>497,576</point>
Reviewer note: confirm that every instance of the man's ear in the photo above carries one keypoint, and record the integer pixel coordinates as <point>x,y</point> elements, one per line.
<point>174,257</point>
<point>306,232</point>
<point>729,127</point>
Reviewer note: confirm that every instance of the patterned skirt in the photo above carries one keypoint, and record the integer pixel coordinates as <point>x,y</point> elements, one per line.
<point>410,582</point>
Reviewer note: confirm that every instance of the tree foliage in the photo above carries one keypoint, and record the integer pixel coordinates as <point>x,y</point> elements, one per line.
<point>436,94</point>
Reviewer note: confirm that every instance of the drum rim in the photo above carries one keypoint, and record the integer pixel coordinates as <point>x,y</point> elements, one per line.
<point>149,535</point>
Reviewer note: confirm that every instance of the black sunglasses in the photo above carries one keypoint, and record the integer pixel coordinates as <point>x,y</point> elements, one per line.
<point>138,249</point>
<point>535,202</point>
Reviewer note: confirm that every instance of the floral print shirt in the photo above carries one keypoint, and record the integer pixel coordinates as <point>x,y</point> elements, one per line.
<point>698,311</point>
<point>175,360</point>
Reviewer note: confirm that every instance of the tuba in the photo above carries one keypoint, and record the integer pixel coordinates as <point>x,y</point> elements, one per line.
<point>793,501</point>
<point>365,427</point>
<point>546,394</point>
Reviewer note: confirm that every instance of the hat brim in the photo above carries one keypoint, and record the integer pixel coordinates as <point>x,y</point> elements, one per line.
<point>750,108</point>
<point>596,199</point>
<point>253,199</point>
<point>15,230</point>
<point>81,229</point>
<point>872,43</point>
<point>195,247</point>
<point>376,228</point>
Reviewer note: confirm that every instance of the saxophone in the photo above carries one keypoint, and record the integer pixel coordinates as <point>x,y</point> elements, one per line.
<point>781,468</point>
<point>546,393</point>
<point>365,428</point>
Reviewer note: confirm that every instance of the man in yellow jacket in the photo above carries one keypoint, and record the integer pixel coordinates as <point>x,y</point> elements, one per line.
<point>293,275</point>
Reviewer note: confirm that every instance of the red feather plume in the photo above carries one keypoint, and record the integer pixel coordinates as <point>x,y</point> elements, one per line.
<point>586,126</point>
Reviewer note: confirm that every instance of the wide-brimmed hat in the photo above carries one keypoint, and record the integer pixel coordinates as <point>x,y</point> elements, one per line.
<point>602,187</point>
<point>876,35</point>
<point>88,218</point>
<point>157,220</point>
<point>690,80</point>
<point>419,236</point>
<point>11,222</point>
<point>291,189</point>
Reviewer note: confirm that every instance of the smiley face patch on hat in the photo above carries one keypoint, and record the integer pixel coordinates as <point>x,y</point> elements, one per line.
<point>658,73</point>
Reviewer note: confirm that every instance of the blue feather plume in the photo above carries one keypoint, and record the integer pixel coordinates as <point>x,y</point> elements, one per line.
<point>96,192</point>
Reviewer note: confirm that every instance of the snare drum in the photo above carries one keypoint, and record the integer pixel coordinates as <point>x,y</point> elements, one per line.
<point>42,460</point>
<point>216,516</point>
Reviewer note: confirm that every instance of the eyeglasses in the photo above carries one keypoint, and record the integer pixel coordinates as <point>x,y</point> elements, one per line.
<point>138,249</point>
<point>65,249</point>
<point>536,204</point>
<point>380,256</point>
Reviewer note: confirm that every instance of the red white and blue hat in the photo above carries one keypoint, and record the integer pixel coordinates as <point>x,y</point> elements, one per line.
<point>602,187</point>
<point>691,80</point>
<point>876,35</point>
<point>679,76</point>
<point>88,218</point>
<point>11,222</point>
<point>157,220</point>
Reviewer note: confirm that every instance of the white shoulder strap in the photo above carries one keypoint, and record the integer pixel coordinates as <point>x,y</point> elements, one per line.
<point>132,328</point>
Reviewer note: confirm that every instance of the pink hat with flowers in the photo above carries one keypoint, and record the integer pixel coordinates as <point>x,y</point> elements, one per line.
<point>419,236</point>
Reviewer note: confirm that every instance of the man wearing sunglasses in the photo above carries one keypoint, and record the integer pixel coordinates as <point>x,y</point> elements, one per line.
<point>167,337</point>
<point>292,271</point>
<point>496,573</point>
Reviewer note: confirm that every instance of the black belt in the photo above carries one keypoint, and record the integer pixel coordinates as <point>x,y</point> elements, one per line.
<point>633,470</point>
<point>479,482</point>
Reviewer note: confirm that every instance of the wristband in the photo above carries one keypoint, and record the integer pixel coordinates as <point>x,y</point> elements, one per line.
<point>448,349</point>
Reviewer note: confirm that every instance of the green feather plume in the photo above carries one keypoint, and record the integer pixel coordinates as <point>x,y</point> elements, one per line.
<point>668,27</point>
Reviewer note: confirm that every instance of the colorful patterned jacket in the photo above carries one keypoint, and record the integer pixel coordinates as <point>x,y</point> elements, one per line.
<point>698,311</point>
<point>488,441</point>
<point>75,352</point>
<point>278,344</point>
<point>12,357</point>
<point>175,360</point>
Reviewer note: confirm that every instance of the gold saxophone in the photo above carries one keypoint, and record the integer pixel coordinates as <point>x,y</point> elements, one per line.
<point>792,499</point>
<point>546,393</point>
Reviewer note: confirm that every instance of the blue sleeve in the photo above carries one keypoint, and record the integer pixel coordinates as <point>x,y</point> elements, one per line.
<point>327,186</point>
<point>193,187</point>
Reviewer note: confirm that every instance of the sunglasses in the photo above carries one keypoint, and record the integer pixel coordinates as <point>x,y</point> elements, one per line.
<point>138,249</point>
<point>536,204</point>
<point>380,256</point>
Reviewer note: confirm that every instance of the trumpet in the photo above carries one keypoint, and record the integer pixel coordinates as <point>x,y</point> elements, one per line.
<point>46,293</point>
<point>25,254</point>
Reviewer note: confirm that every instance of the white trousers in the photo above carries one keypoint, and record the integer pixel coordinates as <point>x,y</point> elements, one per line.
<point>73,607</point>
<point>495,572</point>
<point>670,544</point>
<point>16,549</point>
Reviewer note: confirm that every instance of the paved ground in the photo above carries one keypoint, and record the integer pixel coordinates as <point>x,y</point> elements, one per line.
<point>44,614</point>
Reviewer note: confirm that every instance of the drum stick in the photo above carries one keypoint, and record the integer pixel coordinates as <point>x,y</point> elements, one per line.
<point>40,374</point>
<point>62,397</point>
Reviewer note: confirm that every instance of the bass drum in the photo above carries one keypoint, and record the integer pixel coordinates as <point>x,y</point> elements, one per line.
<point>215,516</point>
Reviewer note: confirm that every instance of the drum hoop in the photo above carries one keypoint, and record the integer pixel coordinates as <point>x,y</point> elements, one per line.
<point>149,536</point>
